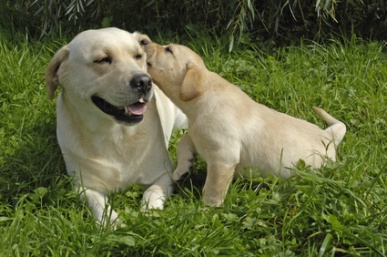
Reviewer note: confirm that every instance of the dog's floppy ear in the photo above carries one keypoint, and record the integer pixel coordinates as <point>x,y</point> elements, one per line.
<point>192,86</point>
<point>52,79</point>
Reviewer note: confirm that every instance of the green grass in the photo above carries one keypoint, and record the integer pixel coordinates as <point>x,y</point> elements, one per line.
<point>338,210</point>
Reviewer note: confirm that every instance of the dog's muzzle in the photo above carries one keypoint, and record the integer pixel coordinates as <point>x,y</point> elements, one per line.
<point>133,112</point>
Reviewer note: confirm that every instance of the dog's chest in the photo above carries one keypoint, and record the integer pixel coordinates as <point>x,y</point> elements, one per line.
<point>113,161</point>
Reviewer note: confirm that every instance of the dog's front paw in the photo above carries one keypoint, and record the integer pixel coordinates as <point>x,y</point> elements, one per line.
<point>110,220</point>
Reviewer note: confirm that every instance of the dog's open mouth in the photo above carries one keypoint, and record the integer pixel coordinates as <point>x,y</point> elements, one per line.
<point>133,113</point>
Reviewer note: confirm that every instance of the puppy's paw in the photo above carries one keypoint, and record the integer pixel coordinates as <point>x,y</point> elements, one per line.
<point>182,170</point>
<point>179,175</point>
<point>213,201</point>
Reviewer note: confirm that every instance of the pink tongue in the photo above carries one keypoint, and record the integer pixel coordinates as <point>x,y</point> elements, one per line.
<point>137,108</point>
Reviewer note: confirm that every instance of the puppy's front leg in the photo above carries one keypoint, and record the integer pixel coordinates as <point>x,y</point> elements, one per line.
<point>97,202</point>
<point>155,195</point>
<point>218,179</point>
<point>185,156</point>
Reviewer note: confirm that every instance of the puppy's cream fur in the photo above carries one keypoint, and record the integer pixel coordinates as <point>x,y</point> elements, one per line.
<point>104,153</point>
<point>231,131</point>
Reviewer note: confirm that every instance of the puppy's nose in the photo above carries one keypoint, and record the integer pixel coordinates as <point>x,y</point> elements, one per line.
<point>142,82</point>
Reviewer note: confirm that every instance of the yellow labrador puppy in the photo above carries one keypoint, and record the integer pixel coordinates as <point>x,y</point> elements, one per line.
<point>231,131</point>
<point>113,124</point>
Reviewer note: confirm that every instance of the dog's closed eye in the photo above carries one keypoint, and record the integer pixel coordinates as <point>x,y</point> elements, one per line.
<point>103,60</point>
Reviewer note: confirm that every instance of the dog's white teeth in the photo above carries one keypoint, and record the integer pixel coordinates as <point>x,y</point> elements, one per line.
<point>127,110</point>
<point>141,100</point>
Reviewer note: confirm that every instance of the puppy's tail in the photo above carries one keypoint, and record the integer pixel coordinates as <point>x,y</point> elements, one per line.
<point>336,128</point>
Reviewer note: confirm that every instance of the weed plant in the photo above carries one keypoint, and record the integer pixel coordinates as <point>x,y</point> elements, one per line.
<point>337,210</point>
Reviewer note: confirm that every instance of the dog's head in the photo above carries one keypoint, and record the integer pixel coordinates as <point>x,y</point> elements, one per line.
<point>103,71</point>
<point>177,70</point>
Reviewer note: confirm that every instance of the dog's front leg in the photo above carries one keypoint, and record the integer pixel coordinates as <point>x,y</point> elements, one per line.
<point>97,202</point>
<point>219,177</point>
<point>185,156</point>
<point>155,195</point>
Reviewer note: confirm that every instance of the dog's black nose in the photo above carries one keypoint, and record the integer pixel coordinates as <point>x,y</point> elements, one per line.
<point>142,82</point>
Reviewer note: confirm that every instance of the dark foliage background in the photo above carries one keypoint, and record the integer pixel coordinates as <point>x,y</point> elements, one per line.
<point>280,20</point>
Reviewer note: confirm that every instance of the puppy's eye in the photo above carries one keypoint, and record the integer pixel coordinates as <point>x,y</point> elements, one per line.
<point>168,49</point>
<point>144,42</point>
<point>104,60</point>
<point>138,56</point>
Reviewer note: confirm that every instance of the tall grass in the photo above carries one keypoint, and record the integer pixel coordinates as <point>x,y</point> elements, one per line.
<point>338,210</point>
<point>282,20</point>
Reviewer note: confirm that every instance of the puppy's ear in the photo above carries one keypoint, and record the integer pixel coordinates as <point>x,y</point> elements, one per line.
<point>192,86</point>
<point>52,79</point>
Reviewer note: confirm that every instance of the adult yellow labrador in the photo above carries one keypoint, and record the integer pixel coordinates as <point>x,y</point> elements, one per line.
<point>113,124</point>
<point>231,131</point>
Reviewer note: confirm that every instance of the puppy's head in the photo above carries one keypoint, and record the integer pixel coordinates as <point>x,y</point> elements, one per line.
<point>177,70</point>
<point>103,72</point>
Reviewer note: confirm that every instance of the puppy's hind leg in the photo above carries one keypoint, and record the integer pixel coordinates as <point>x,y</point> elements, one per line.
<point>219,177</point>
<point>185,156</point>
